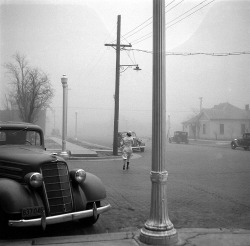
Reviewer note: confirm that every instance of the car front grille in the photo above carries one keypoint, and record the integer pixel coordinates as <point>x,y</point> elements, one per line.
<point>57,188</point>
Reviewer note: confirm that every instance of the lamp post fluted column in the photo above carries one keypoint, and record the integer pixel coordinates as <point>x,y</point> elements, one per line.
<point>64,81</point>
<point>158,229</point>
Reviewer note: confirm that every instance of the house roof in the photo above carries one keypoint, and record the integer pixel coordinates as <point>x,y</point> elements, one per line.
<point>223,111</point>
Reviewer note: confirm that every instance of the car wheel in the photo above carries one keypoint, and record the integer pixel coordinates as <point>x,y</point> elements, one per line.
<point>142,149</point>
<point>233,145</point>
<point>4,228</point>
<point>91,220</point>
<point>246,148</point>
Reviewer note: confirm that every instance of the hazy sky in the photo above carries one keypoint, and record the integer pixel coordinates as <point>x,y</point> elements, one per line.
<point>68,37</point>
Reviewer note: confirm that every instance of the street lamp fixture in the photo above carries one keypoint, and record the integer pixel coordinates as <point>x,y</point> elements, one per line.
<point>123,68</point>
<point>137,68</point>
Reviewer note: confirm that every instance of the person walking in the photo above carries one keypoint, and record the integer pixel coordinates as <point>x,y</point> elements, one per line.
<point>126,145</point>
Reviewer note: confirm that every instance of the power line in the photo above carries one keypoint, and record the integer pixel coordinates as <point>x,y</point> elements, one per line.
<point>198,53</point>
<point>191,13</point>
<point>151,21</point>
<point>167,24</point>
<point>144,22</point>
<point>187,11</point>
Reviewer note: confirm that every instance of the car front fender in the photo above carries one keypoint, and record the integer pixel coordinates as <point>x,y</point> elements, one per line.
<point>14,196</point>
<point>93,188</point>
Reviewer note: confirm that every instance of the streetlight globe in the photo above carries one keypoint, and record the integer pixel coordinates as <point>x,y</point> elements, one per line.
<point>64,80</point>
<point>137,68</point>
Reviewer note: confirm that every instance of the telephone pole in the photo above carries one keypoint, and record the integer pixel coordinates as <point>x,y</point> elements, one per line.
<point>118,47</point>
<point>200,103</point>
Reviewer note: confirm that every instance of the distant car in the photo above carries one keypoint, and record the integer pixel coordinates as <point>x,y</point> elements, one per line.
<point>243,142</point>
<point>37,188</point>
<point>138,143</point>
<point>179,137</point>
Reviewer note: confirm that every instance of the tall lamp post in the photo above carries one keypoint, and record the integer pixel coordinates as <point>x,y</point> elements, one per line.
<point>158,229</point>
<point>76,126</point>
<point>64,81</point>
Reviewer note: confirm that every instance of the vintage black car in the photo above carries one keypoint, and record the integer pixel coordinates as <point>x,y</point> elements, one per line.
<point>243,142</point>
<point>179,137</point>
<point>138,144</point>
<point>37,188</point>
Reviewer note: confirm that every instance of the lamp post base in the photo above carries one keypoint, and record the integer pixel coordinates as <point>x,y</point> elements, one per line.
<point>159,237</point>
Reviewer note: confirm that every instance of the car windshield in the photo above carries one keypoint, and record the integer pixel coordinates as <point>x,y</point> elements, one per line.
<point>20,137</point>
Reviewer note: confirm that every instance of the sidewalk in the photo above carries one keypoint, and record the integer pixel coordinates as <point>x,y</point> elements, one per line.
<point>76,150</point>
<point>91,151</point>
<point>186,237</point>
<point>215,143</point>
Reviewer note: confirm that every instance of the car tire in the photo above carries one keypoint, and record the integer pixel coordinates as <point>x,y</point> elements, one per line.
<point>142,149</point>
<point>91,220</point>
<point>233,145</point>
<point>246,148</point>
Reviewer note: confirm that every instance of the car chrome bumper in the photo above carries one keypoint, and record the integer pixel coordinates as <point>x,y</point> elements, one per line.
<point>59,218</point>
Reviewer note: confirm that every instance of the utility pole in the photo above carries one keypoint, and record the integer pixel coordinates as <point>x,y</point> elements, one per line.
<point>200,103</point>
<point>118,46</point>
<point>76,125</point>
<point>168,135</point>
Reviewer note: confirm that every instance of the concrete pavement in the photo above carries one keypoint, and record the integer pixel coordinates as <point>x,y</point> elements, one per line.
<point>76,150</point>
<point>186,236</point>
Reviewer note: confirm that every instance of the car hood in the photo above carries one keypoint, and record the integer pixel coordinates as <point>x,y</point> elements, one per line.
<point>25,155</point>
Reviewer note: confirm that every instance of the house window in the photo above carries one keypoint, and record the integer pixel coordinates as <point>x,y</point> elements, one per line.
<point>204,128</point>
<point>221,129</point>
<point>243,128</point>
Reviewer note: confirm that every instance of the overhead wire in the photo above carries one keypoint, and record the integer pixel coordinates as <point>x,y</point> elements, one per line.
<point>98,59</point>
<point>125,35</point>
<point>237,53</point>
<point>191,13</point>
<point>145,21</point>
<point>148,35</point>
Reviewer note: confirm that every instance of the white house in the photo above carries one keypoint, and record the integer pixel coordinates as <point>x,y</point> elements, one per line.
<point>222,122</point>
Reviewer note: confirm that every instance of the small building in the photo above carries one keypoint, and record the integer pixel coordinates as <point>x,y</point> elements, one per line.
<point>222,122</point>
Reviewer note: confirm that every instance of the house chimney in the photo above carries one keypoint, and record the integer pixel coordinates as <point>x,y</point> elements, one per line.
<point>247,107</point>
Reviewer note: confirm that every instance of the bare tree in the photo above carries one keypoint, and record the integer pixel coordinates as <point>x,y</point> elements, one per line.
<point>31,90</point>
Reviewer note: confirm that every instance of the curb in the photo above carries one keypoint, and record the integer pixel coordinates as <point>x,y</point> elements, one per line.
<point>186,236</point>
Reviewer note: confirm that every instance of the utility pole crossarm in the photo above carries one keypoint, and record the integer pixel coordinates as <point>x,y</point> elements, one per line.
<point>121,45</point>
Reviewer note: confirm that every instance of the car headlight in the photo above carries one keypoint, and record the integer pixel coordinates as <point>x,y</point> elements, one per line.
<point>79,175</point>
<point>34,179</point>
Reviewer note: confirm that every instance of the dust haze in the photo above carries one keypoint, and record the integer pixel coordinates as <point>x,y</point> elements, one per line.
<point>68,38</point>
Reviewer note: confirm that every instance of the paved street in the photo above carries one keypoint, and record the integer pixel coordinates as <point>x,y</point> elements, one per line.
<point>208,187</point>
